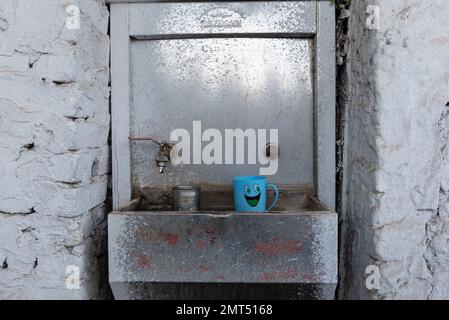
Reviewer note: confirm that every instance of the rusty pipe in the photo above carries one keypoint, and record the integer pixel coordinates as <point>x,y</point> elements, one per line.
<point>154,140</point>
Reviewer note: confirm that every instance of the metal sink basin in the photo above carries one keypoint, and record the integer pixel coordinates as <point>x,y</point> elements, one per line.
<point>155,253</point>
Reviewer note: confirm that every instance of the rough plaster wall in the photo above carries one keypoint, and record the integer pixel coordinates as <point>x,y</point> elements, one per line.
<point>54,125</point>
<point>396,205</point>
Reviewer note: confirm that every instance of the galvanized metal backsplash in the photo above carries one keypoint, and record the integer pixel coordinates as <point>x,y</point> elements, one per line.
<point>226,83</point>
<point>248,65</point>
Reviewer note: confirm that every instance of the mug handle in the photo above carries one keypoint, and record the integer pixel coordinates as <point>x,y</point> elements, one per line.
<point>277,195</point>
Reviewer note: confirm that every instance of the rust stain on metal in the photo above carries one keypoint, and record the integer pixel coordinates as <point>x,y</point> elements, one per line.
<point>204,235</point>
<point>278,275</point>
<point>220,276</point>
<point>169,238</point>
<point>203,268</point>
<point>213,240</point>
<point>276,247</point>
<point>212,234</point>
<point>144,234</point>
<point>148,235</point>
<point>314,277</point>
<point>292,246</point>
<point>200,243</point>
<point>143,261</point>
<point>184,269</point>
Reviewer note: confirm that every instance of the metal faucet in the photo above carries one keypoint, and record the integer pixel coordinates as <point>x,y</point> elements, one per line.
<point>164,151</point>
<point>163,156</point>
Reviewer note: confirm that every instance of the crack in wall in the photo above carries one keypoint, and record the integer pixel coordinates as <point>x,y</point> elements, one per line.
<point>437,218</point>
<point>23,213</point>
<point>428,261</point>
<point>54,90</point>
<point>5,264</point>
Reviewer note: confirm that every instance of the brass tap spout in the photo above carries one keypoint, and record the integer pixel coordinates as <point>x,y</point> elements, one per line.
<point>163,157</point>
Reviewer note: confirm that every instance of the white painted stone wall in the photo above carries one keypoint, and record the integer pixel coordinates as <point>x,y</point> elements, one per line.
<point>54,126</point>
<point>396,204</point>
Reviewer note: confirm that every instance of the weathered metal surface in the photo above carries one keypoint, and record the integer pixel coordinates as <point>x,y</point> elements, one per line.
<point>227,83</point>
<point>209,248</point>
<point>195,18</point>
<point>302,28</point>
<point>230,65</point>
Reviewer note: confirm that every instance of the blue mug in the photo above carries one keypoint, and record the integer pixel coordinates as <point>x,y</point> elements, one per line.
<point>250,194</point>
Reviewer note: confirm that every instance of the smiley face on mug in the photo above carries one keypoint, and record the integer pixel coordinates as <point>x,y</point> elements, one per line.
<point>252,194</point>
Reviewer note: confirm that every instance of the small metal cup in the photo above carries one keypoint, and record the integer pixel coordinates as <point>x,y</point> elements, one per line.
<point>186,198</point>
